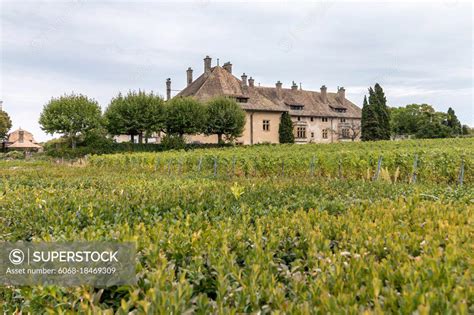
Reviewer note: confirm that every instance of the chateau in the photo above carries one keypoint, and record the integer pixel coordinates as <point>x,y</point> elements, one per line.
<point>317,116</point>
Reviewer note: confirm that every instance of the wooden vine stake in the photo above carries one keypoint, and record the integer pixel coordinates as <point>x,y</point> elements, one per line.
<point>379,165</point>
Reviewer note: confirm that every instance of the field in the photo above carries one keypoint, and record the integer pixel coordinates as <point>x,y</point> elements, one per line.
<point>382,227</point>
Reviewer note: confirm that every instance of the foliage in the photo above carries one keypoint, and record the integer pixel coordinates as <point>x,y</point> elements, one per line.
<point>5,124</point>
<point>375,116</point>
<point>137,113</point>
<point>267,244</point>
<point>185,115</point>
<point>285,129</point>
<point>70,115</point>
<point>433,129</point>
<point>424,122</point>
<point>438,161</point>
<point>453,122</point>
<point>224,117</point>
<point>383,113</point>
<point>173,142</point>
<point>369,123</point>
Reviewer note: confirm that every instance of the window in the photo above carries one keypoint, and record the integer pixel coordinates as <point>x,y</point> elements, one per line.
<point>301,132</point>
<point>325,119</point>
<point>241,99</point>
<point>325,133</point>
<point>345,133</point>
<point>299,118</point>
<point>343,120</point>
<point>312,135</point>
<point>266,125</point>
<point>296,107</point>
<point>312,119</point>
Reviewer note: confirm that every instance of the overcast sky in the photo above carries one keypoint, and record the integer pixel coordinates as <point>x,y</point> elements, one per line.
<point>419,52</point>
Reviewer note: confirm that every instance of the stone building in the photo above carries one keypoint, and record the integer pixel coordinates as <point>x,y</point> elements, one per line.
<point>318,116</point>
<point>22,140</point>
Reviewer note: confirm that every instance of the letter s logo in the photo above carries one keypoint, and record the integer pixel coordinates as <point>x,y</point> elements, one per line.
<point>16,256</point>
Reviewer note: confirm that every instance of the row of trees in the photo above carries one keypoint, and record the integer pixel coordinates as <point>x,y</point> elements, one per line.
<point>142,114</point>
<point>380,122</point>
<point>423,121</point>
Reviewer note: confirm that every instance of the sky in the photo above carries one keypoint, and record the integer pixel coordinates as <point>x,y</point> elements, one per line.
<point>420,52</point>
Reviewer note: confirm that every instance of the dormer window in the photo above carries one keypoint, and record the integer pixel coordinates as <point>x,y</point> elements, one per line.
<point>339,109</point>
<point>296,107</point>
<point>241,99</point>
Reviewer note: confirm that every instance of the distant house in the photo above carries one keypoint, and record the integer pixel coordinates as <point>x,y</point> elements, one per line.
<point>317,116</point>
<point>22,140</point>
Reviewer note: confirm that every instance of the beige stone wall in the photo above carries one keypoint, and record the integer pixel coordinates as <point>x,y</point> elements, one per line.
<point>259,134</point>
<point>314,129</point>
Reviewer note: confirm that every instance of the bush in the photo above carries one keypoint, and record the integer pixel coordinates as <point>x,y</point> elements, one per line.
<point>173,142</point>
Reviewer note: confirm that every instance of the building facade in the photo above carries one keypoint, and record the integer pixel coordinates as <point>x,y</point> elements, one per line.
<point>318,116</point>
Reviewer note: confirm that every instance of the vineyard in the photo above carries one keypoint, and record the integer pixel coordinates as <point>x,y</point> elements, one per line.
<point>383,227</point>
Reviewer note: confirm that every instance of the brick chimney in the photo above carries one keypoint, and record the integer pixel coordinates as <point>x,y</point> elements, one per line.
<point>251,82</point>
<point>324,94</point>
<point>207,64</point>
<point>244,79</point>
<point>189,75</point>
<point>168,89</point>
<point>294,87</point>
<point>341,94</point>
<point>278,88</point>
<point>21,136</point>
<point>228,67</point>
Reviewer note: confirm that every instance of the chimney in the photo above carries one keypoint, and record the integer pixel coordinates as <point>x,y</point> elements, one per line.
<point>244,79</point>
<point>228,67</point>
<point>207,64</point>
<point>251,82</point>
<point>341,93</point>
<point>324,94</point>
<point>21,136</point>
<point>189,75</point>
<point>168,89</point>
<point>1,106</point>
<point>294,87</point>
<point>278,88</point>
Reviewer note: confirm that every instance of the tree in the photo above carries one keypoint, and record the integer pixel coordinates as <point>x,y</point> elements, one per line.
<point>453,122</point>
<point>285,129</point>
<point>70,115</point>
<point>224,117</point>
<point>383,113</point>
<point>5,124</point>
<point>185,115</point>
<point>433,129</point>
<point>369,123</point>
<point>137,113</point>
<point>466,130</point>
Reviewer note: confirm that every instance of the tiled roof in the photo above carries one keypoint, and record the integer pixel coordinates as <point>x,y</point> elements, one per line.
<point>219,82</point>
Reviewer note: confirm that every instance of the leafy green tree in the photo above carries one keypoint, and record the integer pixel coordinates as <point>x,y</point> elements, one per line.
<point>70,115</point>
<point>285,129</point>
<point>185,115</point>
<point>137,113</point>
<point>466,130</point>
<point>453,122</point>
<point>433,129</point>
<point>225,117</point>
<point>383,113</point>
<point>5,124</point>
